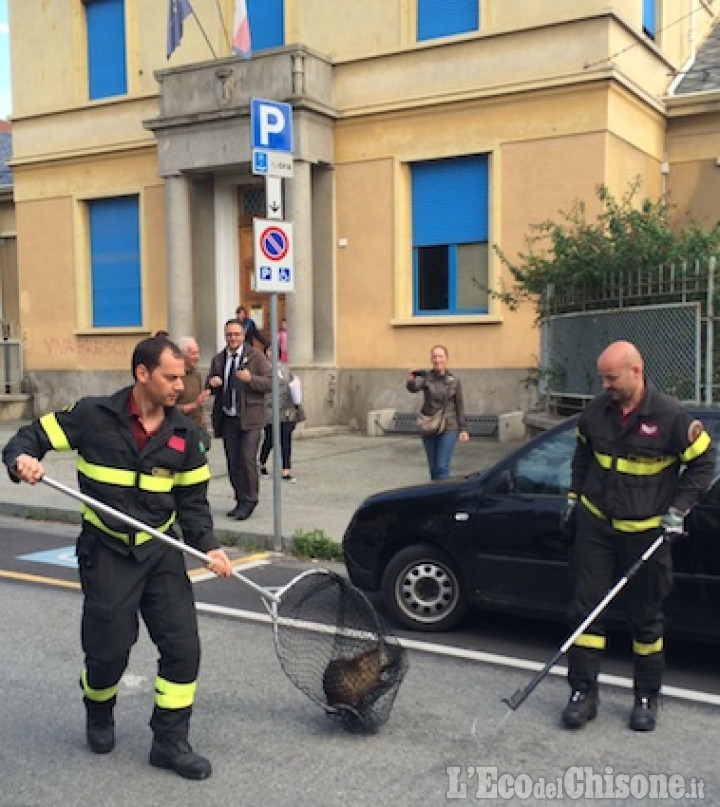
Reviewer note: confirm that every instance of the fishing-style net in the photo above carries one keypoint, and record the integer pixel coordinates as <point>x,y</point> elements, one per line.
<point>328,637</point>
<point>333,647</point>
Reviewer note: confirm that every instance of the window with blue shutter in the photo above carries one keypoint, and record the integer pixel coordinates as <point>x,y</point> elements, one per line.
<point>115,262</point>
<point>267,23</point>
<point>437,18</point>
<point>649,23</point>
<point>106,67</point>
<point>450,236</point>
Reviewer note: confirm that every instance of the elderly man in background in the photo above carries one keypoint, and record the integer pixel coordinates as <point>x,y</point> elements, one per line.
<point>191,400</point>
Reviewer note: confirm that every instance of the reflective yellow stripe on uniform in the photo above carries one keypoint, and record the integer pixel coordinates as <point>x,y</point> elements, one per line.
<point>193,477</point>
<point>103,473</point>
<point>591,641</point>
<point>648,648</point>
<point>140,537</point>
<point>124,478</point>
<point>603,460</point>
<point>639,525</point>
<point>645,467</point>
<point>169,695</point>
<point>97,695</point>
<point>56,436</point>
<point>648,466</point>
<point>700,446</point>
<point>621,524</point>
<point>154,483</point>
<point>591,507</point>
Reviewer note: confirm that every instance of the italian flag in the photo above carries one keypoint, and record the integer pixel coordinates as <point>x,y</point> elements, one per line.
<point>241,30</point>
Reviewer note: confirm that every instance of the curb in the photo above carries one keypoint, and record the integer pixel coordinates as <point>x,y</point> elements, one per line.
<point>241,539</point>
<point>39,513</point>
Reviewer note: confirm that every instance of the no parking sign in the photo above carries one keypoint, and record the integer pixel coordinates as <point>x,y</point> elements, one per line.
<point>274,270</point>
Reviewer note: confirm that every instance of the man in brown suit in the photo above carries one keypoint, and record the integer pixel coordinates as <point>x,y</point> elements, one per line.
<point>239,377</point>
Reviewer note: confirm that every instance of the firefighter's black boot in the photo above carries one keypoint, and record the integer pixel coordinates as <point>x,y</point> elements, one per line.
<point>648,673</point>
<point>100,726</point>
<point>644,713</point>
<point>583,671</point>
<point>178,756</point>
<point>170,748</point>
<point>581,708</point>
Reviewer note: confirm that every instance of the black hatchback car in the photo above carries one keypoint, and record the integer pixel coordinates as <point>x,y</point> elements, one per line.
<point>492,540</point>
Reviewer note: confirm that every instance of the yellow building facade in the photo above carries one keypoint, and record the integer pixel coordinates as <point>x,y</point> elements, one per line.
<point>545,100</point>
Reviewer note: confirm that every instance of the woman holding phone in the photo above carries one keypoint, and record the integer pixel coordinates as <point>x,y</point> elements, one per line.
<point>442,393</point>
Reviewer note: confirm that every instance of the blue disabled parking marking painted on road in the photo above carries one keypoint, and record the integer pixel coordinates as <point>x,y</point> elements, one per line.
<point>64,556</point>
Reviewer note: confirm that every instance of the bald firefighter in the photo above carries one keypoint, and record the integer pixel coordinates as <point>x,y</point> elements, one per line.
<point>640,463</point>
<point>137,453</point>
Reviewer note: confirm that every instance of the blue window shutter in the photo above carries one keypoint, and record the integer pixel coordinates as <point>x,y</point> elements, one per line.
<point>115,262</point>
<point>450,201</point>
<point>437,18</point>
<point>267,23</point>
<point>649,18</point>
<point>107,71</point>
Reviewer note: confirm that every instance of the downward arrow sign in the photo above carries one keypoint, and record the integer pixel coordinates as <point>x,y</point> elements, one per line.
<point>273,198</point>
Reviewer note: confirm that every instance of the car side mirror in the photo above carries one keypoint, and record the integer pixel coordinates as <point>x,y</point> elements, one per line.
<point>504,482</point>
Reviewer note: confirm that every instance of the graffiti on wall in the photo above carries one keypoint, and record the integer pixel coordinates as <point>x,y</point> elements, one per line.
<point>86,346</point>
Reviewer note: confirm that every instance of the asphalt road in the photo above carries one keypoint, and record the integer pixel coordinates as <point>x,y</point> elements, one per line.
<point>30,551</point>
<point>271,746</point>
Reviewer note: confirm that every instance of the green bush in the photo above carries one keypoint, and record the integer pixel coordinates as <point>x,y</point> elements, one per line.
<point>625,236</point>
<point>315,544</point>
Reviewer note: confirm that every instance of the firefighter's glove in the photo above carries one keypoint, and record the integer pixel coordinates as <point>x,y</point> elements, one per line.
<point>568,517</point>
<point>673,523</point>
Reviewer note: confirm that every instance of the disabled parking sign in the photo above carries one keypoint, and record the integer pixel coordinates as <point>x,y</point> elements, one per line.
<point>274,269</point>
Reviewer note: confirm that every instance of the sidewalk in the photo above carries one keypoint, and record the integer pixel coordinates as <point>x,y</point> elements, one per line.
<point>335,471</point>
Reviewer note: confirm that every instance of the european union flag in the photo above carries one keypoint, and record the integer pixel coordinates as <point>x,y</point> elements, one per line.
<point>178,10</point>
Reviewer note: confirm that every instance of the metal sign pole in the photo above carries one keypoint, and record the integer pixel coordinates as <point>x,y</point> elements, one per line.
<point>271,127</point>
<point>277,452</point>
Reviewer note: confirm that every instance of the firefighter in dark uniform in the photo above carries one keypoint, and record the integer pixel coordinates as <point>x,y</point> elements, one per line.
<point>140,455</point>
<point>640,463</point>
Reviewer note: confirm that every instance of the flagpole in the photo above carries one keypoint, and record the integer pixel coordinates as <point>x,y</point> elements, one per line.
<point>209,44</point>
<point>224,27</point>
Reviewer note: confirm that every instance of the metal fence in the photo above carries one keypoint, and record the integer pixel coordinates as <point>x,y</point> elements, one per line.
<point>668,313</point>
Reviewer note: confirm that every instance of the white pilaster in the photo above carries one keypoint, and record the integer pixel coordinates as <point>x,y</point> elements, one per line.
<point>179,256</point>
<point>227,256</point>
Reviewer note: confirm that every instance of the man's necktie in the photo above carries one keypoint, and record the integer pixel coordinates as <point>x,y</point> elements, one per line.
<point>231,383</point>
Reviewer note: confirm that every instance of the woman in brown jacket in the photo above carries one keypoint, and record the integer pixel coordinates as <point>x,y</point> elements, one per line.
<point>441,391</point>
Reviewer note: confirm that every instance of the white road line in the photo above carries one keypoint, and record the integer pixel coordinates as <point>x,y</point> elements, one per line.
<point>497,659</point>
<point>235,613</point>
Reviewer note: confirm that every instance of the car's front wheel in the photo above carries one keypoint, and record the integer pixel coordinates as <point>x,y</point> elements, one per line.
<point>422,589</point>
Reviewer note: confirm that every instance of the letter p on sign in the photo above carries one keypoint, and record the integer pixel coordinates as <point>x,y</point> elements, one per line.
<point>271,124</point>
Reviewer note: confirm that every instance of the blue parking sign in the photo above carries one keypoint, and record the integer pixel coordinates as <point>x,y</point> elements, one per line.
<point>271,125</point>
